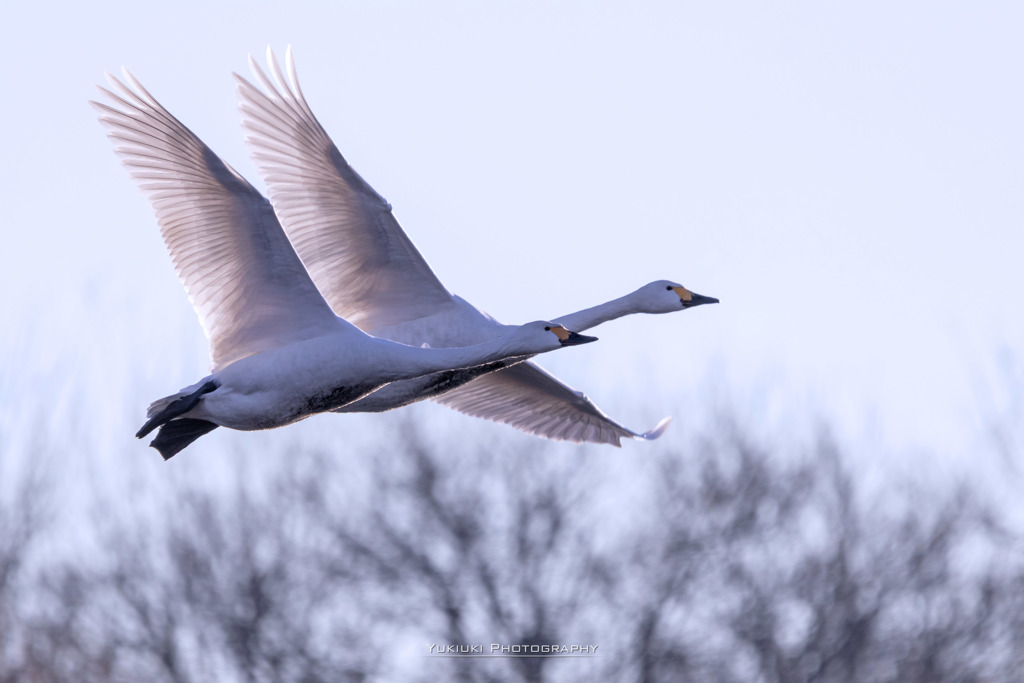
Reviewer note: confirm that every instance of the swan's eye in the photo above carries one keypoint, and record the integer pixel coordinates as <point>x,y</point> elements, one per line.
<point>547,329</point>
<point>669,288</point>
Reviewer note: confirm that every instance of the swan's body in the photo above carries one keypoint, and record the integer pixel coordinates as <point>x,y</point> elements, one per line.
<point>525,384</point>
<point>279,352</point>
<point>286,384</point>
<point>371,274</point>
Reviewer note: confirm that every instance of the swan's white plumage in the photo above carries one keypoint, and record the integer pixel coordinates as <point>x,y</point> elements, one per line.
<point>248,287</point>
<point>279,352</point>
<point>370,272</point>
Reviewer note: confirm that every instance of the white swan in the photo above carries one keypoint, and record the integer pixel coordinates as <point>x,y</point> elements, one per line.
<point>372,275</point>
<point>279,352</point>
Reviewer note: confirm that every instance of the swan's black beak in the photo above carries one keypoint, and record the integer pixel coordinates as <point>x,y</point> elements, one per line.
<point>698,299</point>
<point>568,338</point>
<point>575,339</point>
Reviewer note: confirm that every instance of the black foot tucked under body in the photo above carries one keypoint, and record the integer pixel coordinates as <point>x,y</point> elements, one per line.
<point>177,434</point>
<point>178,406</point>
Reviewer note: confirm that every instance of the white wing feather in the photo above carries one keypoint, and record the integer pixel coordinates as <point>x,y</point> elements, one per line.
<point>532,400</point>
<point>245,281</point>
<point>344,232</point>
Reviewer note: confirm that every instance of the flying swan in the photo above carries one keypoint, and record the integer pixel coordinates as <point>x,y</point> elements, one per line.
<point>279,353</point>
<point>372,275</point>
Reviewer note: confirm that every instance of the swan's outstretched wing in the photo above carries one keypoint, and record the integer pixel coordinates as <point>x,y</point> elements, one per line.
<point>239,270</point>
<point>355,250</point>
<point>530,399</point>
<point>369,270</point>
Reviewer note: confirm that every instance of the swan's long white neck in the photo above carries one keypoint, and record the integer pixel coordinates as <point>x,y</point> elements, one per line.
<point>602,313</point>
<point>406,362</point>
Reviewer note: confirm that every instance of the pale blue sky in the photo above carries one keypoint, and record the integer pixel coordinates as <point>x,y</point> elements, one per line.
<point>846,178</point>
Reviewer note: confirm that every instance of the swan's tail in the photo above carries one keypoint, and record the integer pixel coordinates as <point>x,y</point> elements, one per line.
<point>158,405</point>
<point>161,403</point>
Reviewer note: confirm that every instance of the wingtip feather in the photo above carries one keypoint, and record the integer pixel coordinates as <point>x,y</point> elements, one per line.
<point>658,430</point>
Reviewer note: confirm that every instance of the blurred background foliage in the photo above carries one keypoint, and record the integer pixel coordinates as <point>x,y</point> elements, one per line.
<point>716,554</point>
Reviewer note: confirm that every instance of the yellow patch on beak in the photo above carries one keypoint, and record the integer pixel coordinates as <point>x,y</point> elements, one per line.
<point>560,332</point>
<point>683,293</point>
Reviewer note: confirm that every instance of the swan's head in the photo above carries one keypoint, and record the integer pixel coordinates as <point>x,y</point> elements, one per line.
<point>545,336</point>
<point>665,296</point>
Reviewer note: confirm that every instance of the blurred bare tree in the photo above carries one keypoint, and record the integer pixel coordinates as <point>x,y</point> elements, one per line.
<point>726,560</point>
<point>470,544</point>
<point>24,519</point>
<point>777,572</point>
<point>223,590</point>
